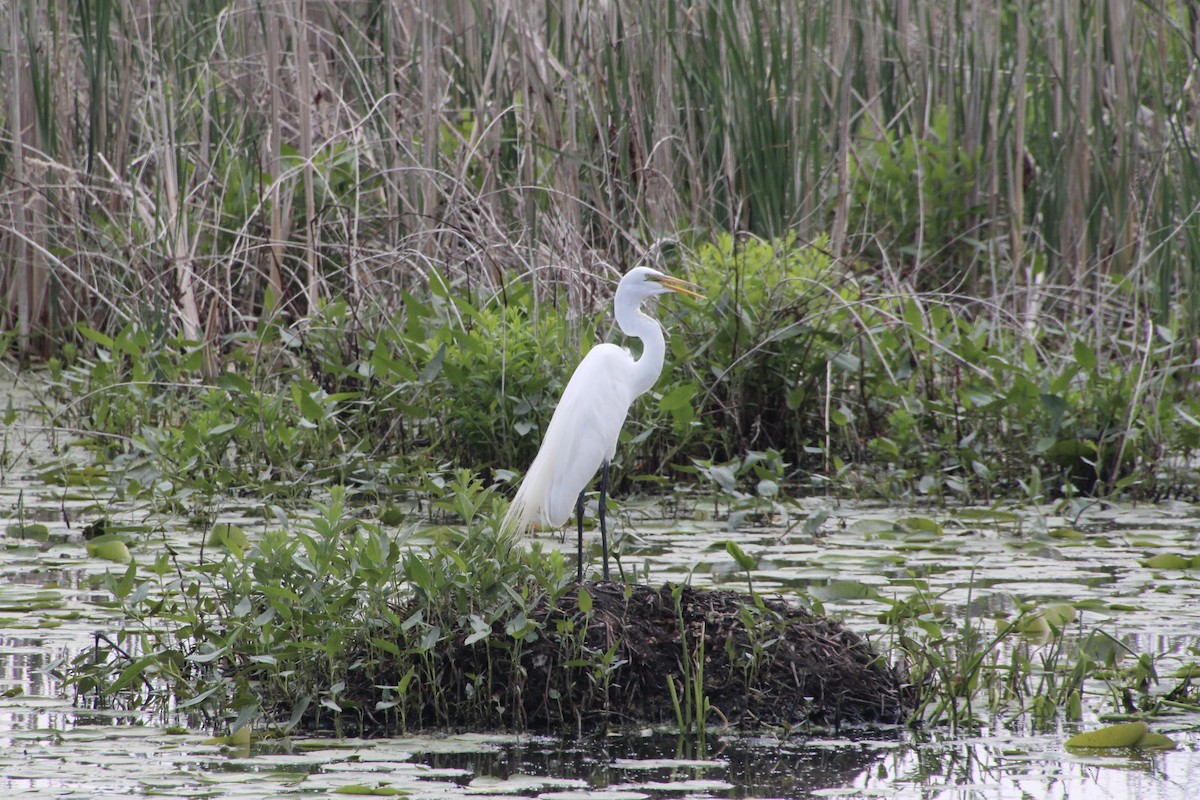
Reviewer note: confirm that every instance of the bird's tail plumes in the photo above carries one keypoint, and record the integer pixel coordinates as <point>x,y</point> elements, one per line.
<point>536,502</point>
<point>519,516</point>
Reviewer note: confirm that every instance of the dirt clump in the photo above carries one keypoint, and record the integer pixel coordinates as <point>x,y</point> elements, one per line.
<point>764,662</point>
<point>602,654</point>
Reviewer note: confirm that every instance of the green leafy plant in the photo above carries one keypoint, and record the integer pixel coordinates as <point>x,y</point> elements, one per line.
<point>915,203</point>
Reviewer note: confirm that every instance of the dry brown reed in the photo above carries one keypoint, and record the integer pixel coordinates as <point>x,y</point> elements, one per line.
<point>194,164</point>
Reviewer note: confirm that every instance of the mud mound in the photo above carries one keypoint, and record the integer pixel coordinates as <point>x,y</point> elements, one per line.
<point>608,661</point>
<point>765,662</point>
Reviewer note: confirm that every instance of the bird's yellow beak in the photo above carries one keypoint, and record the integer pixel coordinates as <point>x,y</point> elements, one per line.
<point>683,287</point>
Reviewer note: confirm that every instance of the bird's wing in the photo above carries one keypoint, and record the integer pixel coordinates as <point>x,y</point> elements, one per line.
<point>581,436</point>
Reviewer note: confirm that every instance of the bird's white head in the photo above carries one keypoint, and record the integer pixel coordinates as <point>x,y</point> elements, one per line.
<point>643,282</point>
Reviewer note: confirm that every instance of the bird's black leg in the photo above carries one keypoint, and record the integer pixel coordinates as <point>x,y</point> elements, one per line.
<point>579,519</point>
<point>603,527</point>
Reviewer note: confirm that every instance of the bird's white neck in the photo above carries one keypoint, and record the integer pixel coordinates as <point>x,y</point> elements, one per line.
<point>634,322</point>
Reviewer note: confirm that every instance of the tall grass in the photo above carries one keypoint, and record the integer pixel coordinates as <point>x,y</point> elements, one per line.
<point>196,164</point>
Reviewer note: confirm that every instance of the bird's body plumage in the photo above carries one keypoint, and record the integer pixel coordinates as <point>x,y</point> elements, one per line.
<point>567,461</point>
<point>583,431</point>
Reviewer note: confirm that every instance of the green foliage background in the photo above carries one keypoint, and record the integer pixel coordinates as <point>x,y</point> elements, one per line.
<point>947,246</point>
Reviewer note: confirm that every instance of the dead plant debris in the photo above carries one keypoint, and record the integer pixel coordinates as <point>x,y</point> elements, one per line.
<point>766,662</point>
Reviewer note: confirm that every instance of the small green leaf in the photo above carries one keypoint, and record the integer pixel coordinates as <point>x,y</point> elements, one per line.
<point>1084,355</point>
<point>99,338</point>
<point>767,488</point>
<point>1066,533</point>
<point>1074,706</point>
<point>744,560</point>
<point>1155,741</point>
<point>234,383</point>
<point>431,370</point>
<point>584,601</point>
<point>678,397</point>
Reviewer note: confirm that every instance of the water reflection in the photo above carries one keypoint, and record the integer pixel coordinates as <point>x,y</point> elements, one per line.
<point>730,766</point>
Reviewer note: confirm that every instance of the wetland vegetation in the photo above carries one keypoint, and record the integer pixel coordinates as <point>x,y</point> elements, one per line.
<point>289,291</point>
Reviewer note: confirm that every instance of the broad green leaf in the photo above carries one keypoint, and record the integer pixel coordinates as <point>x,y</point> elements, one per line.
<point>913,317</point>
<point>109,548</point>
<point>1167,561</point>
<point>744,560</point>
<point>1033,625</point>
<point>722,476</point>
<point>241,726</point>
<point>1127,734</point>
<point>235,384</point>
<point>1155,741</point>
<point>1189,670</point>
<point>1084,355</point>
<point>376,791</point>
<point>919,525</point>
<point>309,407</point>
<point>844,590</point>
<point>97,337</point>
<point>678,397</point>
<point>1066,533</point>
<point>35,531</point>
<point>225,534</point>
<point>125,585</point>
<point>584,601</point>
<point>1058,614</point>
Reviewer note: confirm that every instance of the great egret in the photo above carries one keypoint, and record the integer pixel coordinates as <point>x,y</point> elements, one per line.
<point>582,435</point>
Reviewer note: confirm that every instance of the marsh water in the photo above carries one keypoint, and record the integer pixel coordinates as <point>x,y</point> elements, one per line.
<point>982,563</point>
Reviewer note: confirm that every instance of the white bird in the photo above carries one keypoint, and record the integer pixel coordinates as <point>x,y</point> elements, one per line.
<point>582,435</point>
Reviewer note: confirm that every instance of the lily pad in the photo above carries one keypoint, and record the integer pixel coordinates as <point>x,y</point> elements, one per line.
<point>1167,561</point>
<point>1189,670</point>
<point>109,548</point>
<point>1126,734</point>
<point>373,791</point>
<point>1066,533</point>
<point>919,525</point>
<point>844,590</point>
<point>34,531</point>
<point>227,535</point>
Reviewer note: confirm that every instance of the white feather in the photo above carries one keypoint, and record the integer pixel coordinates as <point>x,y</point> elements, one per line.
<point>586,424</point>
